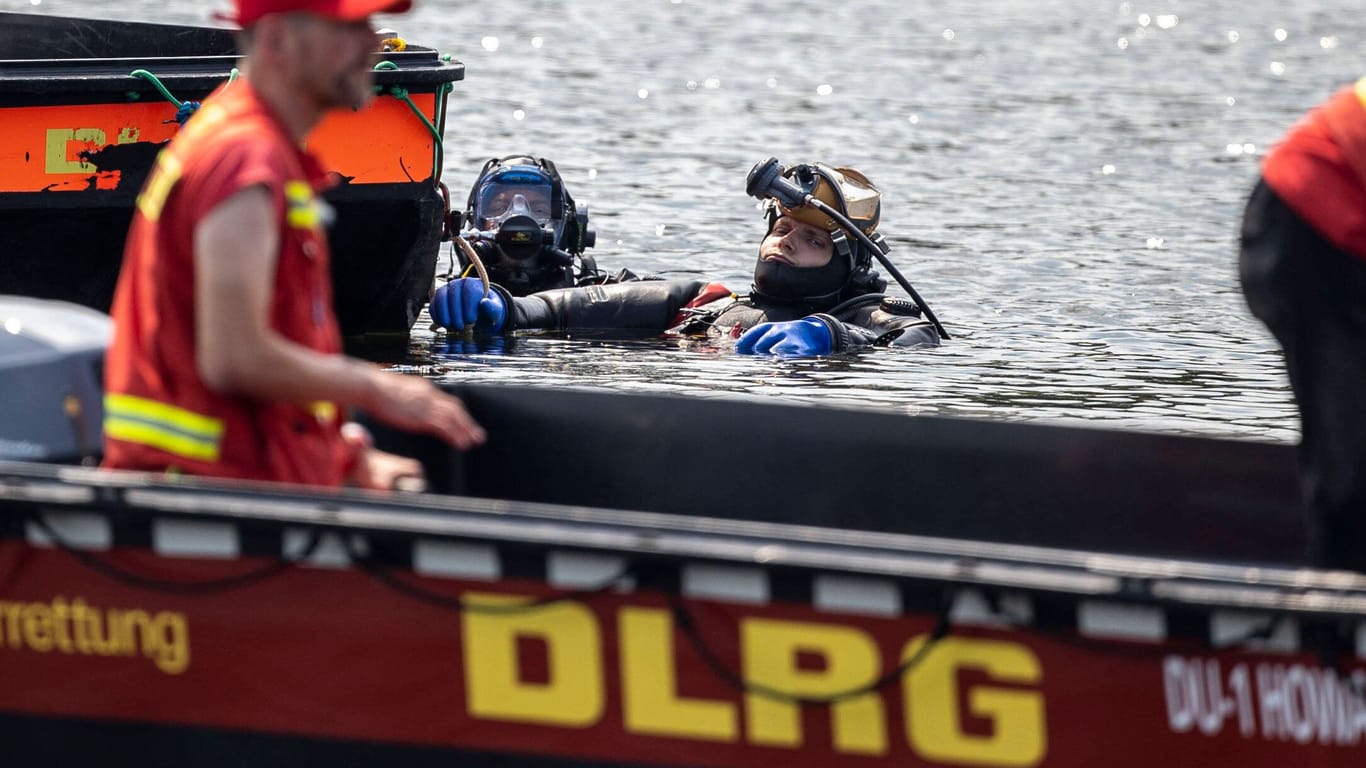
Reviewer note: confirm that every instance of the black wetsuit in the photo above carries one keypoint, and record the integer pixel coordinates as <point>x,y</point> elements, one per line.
<point>674,306</point>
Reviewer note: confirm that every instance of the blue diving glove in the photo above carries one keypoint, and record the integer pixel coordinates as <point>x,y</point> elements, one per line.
<point>461,304</point>
<point>795,338</point>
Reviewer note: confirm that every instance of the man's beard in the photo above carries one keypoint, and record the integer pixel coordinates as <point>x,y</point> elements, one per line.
<point>347,89</point>
<point>353,95</point>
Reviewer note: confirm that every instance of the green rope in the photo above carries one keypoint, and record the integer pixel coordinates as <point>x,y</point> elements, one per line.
<point>442,91</point>
<point>233,74</point>
<point>399,92</point>
<point>154,80</point>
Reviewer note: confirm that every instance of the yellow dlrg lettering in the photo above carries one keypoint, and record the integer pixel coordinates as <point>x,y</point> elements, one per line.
<point>649,679</point>
<point>934,723</point>
<point>58,149</point>
<point>573,696</point>
<point>770,649</point>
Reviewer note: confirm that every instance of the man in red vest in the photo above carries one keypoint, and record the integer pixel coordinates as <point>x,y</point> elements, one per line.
<point>1303,271</point>
<point>226,358</point>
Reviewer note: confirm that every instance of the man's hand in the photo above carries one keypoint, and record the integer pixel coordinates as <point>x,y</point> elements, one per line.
<point>417,405</point>
<point>461,304</point>
<point>376,470</point>
<point>807,337</point>
<point>382,471</point>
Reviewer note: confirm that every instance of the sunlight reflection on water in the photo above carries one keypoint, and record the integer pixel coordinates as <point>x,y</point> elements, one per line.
<point>1062,182</point>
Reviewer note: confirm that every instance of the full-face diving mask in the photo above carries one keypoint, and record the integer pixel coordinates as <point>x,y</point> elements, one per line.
<point>527,230</point>
<point>515,204</point>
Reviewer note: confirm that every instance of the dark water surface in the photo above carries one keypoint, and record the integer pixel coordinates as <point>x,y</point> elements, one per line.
<point>1062,182</point>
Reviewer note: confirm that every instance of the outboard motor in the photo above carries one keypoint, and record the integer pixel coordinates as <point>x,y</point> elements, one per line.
<point>51,374</point>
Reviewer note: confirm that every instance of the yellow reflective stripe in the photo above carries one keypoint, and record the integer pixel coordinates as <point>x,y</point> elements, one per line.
<point>162,426</point>
<point>154,437</point>
<point>157,411</point>
<point>1361,91</point>
<point>324,411</point>
<point>301,208</point>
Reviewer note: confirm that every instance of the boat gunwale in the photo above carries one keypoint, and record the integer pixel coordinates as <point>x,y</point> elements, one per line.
<point>40,489</point>
<point>424,72</point>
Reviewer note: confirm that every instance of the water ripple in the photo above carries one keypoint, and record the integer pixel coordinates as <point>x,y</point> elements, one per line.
<point>1068,205</point>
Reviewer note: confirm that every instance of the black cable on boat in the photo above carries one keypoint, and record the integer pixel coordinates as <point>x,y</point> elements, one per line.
<point>167,586</point>
<point>385,576</point>
<point>19,558</point>
<point>684,620</point>
<point>682,617</point>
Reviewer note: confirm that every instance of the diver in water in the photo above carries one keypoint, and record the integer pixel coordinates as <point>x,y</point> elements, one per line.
<point>814,293</point>
<point>525,227</point>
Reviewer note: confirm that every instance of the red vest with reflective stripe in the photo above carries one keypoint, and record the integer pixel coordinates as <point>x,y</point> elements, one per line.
<point>1319,169</point>
<point>159,413</point>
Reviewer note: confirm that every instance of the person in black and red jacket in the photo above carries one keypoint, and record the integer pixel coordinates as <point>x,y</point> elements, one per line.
<point>1303,273</point>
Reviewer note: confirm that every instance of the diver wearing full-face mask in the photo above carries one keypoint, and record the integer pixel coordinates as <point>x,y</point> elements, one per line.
<point>814,291</point>
<point>526,228</point>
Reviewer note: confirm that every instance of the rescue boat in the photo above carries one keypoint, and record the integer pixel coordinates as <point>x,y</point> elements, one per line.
<point>621,579</point>
<point>85,105</point>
